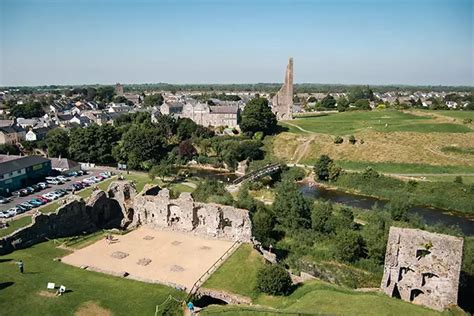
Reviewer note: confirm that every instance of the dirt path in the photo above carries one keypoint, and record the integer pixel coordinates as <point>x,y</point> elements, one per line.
<point>298,127</point>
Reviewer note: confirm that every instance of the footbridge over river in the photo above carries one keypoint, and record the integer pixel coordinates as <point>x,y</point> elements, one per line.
<point>264,171</point>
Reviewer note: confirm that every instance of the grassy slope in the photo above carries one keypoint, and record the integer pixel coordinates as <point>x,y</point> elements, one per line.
<point>120,296</point>
<point>238,273</point>
<point>15,224</point>
<point>404,168</point>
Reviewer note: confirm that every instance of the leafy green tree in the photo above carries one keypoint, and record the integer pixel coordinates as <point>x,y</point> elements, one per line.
<point>186,128</point>
<point>321,168</point>
<point>153,100</point>
<point>257,116</point>
<point>290,207</point>
<point>186,149</point>
<point>57,142</point>
<point>273,280</point>
<point>93,143</point>
<point>209,191</point>
<point>162,171</point>
<point>352,139</point>
<point>104,93</point>
<point>328,102</point>
<point>321,217</point>
<point>338,140</point>
<point>362,104</point>
<point>8,149</point>
<point>142,145</point>
<point>398,208</point>
<point>263,223</point>
<point>349,246</point>
<point>27,110</point>
<point>375,234</point>
<point>342,104</point>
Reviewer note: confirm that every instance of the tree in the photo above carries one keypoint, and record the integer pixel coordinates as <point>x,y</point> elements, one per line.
<point>342,104</point>
<point>320,217</point>
<point>212,190</point>
<point>57,142</point>
<point>105,94</point>
<point>338,140</point>
<point>186,149</point>
<point>27,110</point>
<point>186,128</point>
<point>93,143</point>
<point>153,100</point>
<point>349,246</point>
<point>263,223</point>
<point>328,102</point>
<point>142,146</point>
<point>257,116</point>
<point>162,171</point>
<point>321,168</point>
<point>7,149</point>
<point>290,207</point>
<point>362,104</point>
<point>352,140</point>
<point>273,280</point>
<point>398,208</point>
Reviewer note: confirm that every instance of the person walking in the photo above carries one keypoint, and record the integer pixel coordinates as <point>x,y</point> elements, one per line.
<point>21,266</point>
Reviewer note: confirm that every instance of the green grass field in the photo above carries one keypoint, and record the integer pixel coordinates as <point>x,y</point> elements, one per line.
<point>456,114</point>
<point>15,224</point>
<point>26,294</point>
<point>238,273</point>
<point>383,121</point>
<point>403,168</point>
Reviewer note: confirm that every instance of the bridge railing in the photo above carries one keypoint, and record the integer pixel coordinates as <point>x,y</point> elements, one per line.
<point>258,173</point>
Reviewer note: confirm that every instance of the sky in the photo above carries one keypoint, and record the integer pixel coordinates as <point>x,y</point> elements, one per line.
<point>415,42</point>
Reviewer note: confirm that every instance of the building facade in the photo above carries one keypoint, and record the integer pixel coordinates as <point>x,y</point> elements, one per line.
<point>20,172</point>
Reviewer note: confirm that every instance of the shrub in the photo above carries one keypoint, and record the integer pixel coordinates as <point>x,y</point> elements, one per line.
<point>294,173</point>
<point>338,140</point>
<point>467,121</point>
<point>349,246</point>
<point>352,139</point>
<point>273,280</point>
<point>361,141</point>
<point>321,168</point>
<point>458,179</point>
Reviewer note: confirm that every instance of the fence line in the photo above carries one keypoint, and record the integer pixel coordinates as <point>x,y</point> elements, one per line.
<point>196,284</point>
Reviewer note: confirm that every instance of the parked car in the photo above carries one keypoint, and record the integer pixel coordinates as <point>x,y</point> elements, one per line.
<point>21,192</point>
<point>105,175</point>
<point>36,202</point>
<point>53,181</point>
<point>42,185</point>
<point>62,179</point>
<point>30,190</point>
<point>43,199</point>
<point>89,181</point>
<point>27,205</point>
<point>5,214</point>
<point>12,211</point>
<point>60,192</point>
<point>4,200</point>
<point>50,196</point>
<point>71,174</point>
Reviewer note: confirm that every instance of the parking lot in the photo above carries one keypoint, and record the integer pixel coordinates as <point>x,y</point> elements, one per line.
<point>14,200</point>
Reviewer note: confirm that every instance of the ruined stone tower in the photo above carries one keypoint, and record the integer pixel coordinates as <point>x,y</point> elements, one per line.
<point>282,102</point>
<point>119,89</point>
<point>422,267</point>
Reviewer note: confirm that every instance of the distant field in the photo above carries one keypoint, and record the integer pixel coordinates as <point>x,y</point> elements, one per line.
<point>383,121</point>
<point>404,168</point>
<point>395,141</point>
<point>456,114</point>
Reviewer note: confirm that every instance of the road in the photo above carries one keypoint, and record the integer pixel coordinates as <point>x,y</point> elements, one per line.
<point>18,200</point>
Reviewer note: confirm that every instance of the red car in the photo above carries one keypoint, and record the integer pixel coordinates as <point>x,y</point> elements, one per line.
<point>42,199</point>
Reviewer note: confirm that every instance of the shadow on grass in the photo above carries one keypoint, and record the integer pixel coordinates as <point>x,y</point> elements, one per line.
<point>4,285</point>
<point>5,260</point>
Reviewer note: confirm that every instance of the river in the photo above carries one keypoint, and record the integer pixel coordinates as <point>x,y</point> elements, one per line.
<point>430,215</point>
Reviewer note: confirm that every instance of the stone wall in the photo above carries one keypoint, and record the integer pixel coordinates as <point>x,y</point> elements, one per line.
<point>73,218</point>
<point>123,208</point>
<point>186,215</point>
<point>422,267</point>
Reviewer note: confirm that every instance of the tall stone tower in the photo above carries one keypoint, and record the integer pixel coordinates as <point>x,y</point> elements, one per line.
<point>118,89</point>
<point>282,102</point>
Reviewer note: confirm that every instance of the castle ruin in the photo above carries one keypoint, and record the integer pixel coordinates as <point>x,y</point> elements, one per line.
<point>282,102</point>
<point>422,267</point>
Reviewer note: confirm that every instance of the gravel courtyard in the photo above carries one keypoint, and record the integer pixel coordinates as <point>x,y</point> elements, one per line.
<point>153,255</point>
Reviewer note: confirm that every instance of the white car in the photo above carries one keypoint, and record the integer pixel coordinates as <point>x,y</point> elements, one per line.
<point>52,180</point>
<point>62,179</point>
<point>89,181</point>
<point>50,196</point>
<point>4,214</point>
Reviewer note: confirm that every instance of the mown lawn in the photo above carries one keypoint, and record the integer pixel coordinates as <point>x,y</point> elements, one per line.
<point>238,273</point>
<point>383,121</point>
<point>320,297</point>
<point>456,114</point>
<point>15,224</point>
<point>26,294</point>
